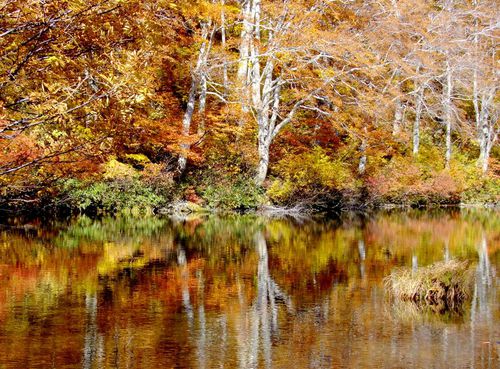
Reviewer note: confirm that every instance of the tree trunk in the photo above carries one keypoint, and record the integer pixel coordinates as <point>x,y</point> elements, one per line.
<point>475,101</point>
<point>475,86</point>
<point>223,41</point>
<point>263,162</point>
<point>248,62</point>
<point>264,142</point>
<point>484,143</point>
<point>266,105</point>
<point>186,125</point>
<point>362,159</point>
<point>398,117</point>
<point>416,124</point>
<point>203,103</point>
<point>398,105</point>
<point>484,156</point>
<point>188,114</point>
<point>255,75</point>
<point>487,135</point>
<point>246,36</point>
<point>448,112</point>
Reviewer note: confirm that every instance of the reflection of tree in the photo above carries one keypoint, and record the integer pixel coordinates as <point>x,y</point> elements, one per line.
<point>362,257</point>
<point>263,314</point>
<point>481,309</point>
<point>483,282</point>
<point>438,328</point>
<point>211,334</point>
<point>93,349</point>
<point>186,300</point>
<point>202,328</point>
<point>414,263</point>
<point>228,279</point>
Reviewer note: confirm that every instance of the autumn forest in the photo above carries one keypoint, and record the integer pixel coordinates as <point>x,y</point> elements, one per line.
<point>107,105</point>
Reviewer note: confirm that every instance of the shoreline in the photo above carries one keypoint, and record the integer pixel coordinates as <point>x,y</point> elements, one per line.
<point>186,209</point>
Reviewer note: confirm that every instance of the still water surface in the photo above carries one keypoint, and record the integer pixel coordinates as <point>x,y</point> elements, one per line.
<point>242,292</point>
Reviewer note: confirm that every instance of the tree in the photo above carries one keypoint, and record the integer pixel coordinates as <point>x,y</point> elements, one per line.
<point>198,87</point>
<point>485,77</point>
<point>75,78</point>
<point>293,65</point>
<point>267,52</point>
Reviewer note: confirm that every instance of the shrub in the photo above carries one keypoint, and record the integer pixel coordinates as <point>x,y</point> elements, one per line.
<point>160,181</point>
<point>138,161</point>
<point>305,176</point>
<point>233,194</point>
<point>424,180</point>
<point>486,190</point>
<point>123,188</point>
<point>114,169</point>
<point>117,196</point>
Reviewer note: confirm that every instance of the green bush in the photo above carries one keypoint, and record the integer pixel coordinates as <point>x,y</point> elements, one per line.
<point>117,196</point>
<point>235,194</point>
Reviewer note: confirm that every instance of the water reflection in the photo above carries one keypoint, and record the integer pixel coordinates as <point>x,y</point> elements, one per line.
<point>93,346</point>
<point>256,337</point>
<point>242,292</point>
<point>482,311</point>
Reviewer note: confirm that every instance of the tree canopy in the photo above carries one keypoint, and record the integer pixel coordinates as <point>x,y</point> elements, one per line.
<point>396,99</point>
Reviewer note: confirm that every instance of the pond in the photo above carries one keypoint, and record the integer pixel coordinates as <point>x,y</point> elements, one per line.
<point>243,292</point>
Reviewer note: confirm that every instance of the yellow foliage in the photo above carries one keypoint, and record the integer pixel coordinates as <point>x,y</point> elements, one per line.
<point>308,173</point>
<point>137,160</point>
<point>113,169</point>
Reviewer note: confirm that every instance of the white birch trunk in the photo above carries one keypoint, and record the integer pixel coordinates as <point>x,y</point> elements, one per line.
<point>248,62</point>
<point>246,36</point>
<point>416,125</point>
<point>265,90</point>
<point>362,159</point>
<point>255,75</point>
<point>484,145</point>
<point>487,134</point>
<point>475,87</point>
<point>398,117</point>
<point>223,41</point>
<point>263,162</point>
<point>202,103</point>
<point>186,125</point>
<point>448,112</point>
<point>188,114</point>
<point>266,120</point>
<point>475,100</point>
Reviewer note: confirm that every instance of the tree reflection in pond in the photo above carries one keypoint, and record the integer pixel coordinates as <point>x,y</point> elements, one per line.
<point>242,291</point>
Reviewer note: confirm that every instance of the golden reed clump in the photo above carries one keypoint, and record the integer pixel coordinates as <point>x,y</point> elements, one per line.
<point>443,286</point>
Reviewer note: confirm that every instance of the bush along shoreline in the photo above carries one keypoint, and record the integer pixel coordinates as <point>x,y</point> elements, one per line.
<point>139,187</point>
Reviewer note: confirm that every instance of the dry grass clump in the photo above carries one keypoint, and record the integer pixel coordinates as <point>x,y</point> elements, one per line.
<point>443,286</point>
